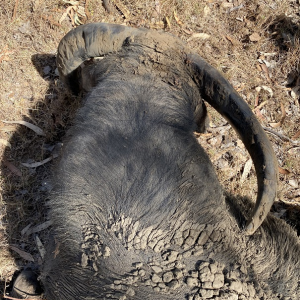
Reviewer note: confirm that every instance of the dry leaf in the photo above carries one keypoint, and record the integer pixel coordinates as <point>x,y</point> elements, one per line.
<point>40,247</point>
<point>23,254</point>
<point>65,14</point>
<point>268,89</point>
<point>35,128</point>
<point>168,22</point>
<point>227,5</point>
<point>258,67</point>
<point>246,171</point>
<point>71,16</point>
<point>283,171</point>
<point>254,37</point>
<point>77,20</point>
<point>12,168</point>
<point>73,3</point>
<point>39,163</point>
<point>39,227</point>
<point>261,105</point>
<point>75,12</point>
<point>275,125</point>
<point>266,71</point>
<point>206,135</point>
<point>200,35</point>
<point>177,19</point>
<point>297,134</point>
<point>5,143</point>
<point>258,89</point>
<point>26,229</point>
<point>268,53</point>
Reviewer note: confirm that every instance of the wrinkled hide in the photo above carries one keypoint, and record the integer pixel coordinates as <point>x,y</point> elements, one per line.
<point>137,209</point>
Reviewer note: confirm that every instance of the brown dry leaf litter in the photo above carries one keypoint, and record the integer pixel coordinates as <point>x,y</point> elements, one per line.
<point>33,127</point>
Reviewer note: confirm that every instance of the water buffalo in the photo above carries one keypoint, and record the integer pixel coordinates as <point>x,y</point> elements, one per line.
<point>137,209</point>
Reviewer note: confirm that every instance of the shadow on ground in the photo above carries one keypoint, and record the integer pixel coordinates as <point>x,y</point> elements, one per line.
<point>26,188</point>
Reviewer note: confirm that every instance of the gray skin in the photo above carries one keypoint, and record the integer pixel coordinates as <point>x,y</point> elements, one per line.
<point>137,209</point>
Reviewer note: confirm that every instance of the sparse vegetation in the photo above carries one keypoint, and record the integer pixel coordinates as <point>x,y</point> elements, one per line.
<point>255,44</point>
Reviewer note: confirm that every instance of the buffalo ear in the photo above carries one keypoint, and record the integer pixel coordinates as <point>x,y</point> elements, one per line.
<point>218,92</point>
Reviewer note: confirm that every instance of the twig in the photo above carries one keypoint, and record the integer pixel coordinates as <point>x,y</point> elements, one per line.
<point>87,13</point>
<point>4,287</point>
<point>15,10</point>
<point>283,137</point>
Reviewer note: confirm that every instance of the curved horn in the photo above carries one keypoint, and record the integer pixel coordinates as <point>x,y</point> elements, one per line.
<point>218,92</point>
<point>87,41</point>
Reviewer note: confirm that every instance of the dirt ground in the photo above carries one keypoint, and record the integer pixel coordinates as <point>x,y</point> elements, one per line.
<point>255,44</point>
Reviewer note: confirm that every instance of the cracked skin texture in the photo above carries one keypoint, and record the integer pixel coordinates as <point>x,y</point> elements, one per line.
<point>138,212</point>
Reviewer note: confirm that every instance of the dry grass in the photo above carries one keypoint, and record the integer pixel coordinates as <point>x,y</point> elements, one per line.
<point>29,92</point>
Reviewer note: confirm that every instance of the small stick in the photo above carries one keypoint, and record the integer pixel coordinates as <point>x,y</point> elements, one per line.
<point>15,10</point>
<point>283,137</point>
<point>87,13</point>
